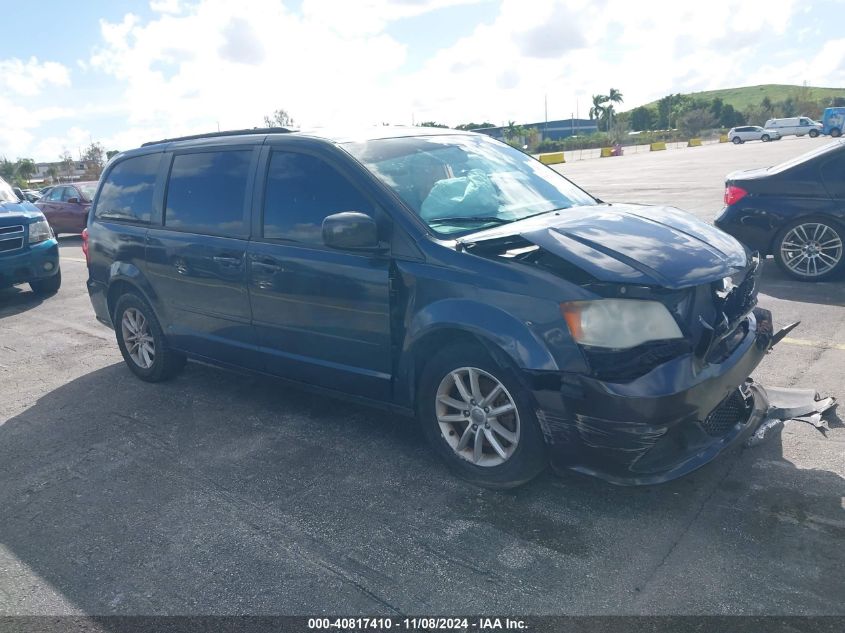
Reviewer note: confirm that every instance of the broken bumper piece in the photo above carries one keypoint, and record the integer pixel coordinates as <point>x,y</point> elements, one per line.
<point>664,424</point>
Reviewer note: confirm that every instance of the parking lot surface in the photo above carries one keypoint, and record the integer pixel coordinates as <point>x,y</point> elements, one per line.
<point>220,493</point>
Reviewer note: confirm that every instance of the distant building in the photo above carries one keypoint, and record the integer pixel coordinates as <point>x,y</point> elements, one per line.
<point>552,130</point>
<point>79,170</point>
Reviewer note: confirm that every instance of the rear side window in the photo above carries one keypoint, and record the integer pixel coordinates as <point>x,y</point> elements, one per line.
<point>207,192</point>
<point>833,174</point>
<point>127,193</point>
<point>301,191</point>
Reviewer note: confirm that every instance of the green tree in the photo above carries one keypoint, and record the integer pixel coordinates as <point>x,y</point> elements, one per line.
<point>67,163</point>
<point>642,118</point>
<point>95,159</point>
<point>7,169</point>
<point>694,121</point>
<point>614,98</point>
<point>716,107</point>
<point>598,108</point>
<point>26,169</point>
<point>111,154</point>
<point>53,174</point>
<point>431,124</point>
<point>474,126</point>
<point>279,118</point>
<point>730,117</point>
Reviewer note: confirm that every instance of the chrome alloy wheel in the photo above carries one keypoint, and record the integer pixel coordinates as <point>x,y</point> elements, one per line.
<point>811,249</point>
<point>477,416</point>
<point>137,338</point>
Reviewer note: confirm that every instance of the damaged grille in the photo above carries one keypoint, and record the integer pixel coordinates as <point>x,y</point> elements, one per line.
<point>724,417</point>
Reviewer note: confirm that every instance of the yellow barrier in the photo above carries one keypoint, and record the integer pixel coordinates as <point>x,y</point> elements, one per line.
<point>694,142</point>
<point>606,152</point>
<point>656,147</point>
<point>553,158</point>
<point>723,138</point>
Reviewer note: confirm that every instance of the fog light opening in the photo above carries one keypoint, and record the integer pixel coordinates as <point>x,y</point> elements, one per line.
<point>48,266</point>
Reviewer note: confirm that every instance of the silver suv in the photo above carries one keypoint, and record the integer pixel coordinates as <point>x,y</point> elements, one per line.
<point>752,133</point>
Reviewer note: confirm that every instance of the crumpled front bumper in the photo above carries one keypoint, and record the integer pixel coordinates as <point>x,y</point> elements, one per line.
<point>662,425</point>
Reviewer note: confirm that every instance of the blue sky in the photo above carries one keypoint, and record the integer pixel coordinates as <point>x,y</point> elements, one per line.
<point>121,72</point>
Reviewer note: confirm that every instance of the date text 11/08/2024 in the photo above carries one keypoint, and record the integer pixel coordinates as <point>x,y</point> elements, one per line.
<point>418,623</point>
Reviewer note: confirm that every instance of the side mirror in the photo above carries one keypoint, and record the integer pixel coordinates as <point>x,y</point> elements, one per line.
<point>351,230</point>
<point>73,200</point>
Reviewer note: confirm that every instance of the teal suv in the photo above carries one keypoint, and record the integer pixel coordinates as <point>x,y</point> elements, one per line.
<point>29,252</point>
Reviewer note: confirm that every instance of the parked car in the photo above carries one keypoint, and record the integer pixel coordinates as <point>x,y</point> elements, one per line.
<point>29,252</point>
<point>797,125</point>
<point>752,133</point>
<point>794,211</point>
<point>66,206</point>
<point>833,121</point>
<point>441,274</point>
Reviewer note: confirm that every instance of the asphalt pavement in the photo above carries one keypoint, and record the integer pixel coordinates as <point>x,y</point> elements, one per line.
<point>221,493</point>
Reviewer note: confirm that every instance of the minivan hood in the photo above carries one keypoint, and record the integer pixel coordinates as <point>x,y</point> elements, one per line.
<point>627,243</point>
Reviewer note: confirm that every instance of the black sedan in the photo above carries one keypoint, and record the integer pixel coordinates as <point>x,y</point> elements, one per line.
<point>794,211</point>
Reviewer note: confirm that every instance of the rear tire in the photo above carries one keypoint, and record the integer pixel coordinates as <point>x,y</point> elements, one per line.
<point>817,234</point>
<point>461,436</point>
<point>47,287</point>
<point>142,342</point>
<point>736,140</point>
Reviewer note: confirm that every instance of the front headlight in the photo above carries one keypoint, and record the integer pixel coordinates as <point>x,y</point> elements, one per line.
<point>619,323</point>
<point>39,231</point>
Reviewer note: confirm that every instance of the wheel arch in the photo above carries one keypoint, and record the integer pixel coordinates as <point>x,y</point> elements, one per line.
<point>123,279</point>
<point>507,339</point>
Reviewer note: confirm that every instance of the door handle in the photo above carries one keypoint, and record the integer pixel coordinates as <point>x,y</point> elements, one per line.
<point>267,264</point>
<point>226,260</point>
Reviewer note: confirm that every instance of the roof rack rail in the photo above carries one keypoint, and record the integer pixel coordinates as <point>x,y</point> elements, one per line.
<point>255,130</point>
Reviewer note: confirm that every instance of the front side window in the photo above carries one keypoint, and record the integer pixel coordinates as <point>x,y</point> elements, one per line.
<point>302,190</point>
<point>207,192</point>
<point>55,194</point>
<point>461,183</point>
<point>127,193</point>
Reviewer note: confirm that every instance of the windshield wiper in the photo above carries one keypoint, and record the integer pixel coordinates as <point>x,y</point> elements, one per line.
<point>463,219</point>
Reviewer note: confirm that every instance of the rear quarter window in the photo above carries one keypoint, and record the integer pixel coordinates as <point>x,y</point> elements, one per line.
<point>127,193</point>
<point>206,193</point>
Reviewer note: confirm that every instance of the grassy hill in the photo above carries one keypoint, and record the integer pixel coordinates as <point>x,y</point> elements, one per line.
<point>741,98</point>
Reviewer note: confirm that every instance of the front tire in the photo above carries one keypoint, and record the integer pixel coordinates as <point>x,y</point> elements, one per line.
<point>142,342</point>
<point>836,132</point>
<point>765,138</point>
<point>479,418</point>
<point>811,249</point>
<point>47,287</point>
<point>813,133</point>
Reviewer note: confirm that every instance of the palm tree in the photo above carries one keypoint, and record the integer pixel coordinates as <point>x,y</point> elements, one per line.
<point>614,97</point>
<point>53,173</point>
<point>597,111</point>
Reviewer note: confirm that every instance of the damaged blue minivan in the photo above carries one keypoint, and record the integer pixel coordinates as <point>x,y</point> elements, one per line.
<point>444,275</point>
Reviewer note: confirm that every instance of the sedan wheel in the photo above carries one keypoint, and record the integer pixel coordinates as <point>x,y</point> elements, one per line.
<point>811,250</point>
<point>765,138</point>
<point>478,417</point>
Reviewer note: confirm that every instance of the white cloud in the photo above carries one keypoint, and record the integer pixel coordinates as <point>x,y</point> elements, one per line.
<point>28,78</point>
<point>195,65</point>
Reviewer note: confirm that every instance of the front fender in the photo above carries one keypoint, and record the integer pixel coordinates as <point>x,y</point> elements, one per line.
<point>498,330</point>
